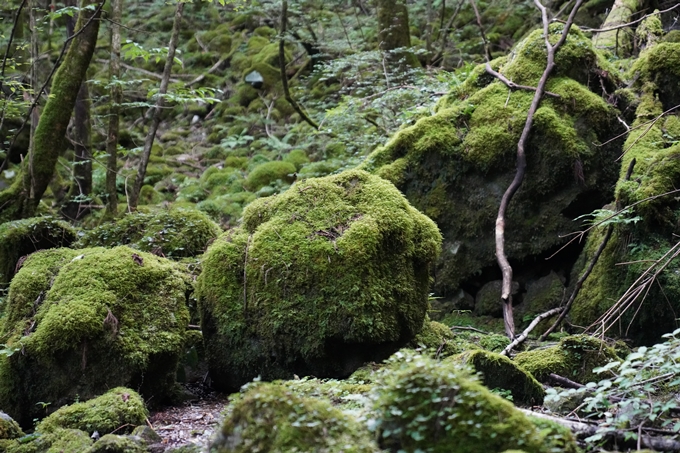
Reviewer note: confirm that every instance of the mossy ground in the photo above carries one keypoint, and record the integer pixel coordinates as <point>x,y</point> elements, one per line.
<point>313,277</point>
<point>269,417</point>
<point>89,319</point>
<point>455,165</point>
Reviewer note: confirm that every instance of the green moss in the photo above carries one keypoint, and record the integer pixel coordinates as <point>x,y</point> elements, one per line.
<point>454,165</point>
<point>9,429</point>
<point>268,417</point>
<point>348,394</point>
<point>228,208</point>
<point>297,157</point>
<point>312,276</point>
<point>59,441</point>
<point>149,196</point>
<point>438,339</point>
<point>268,173</point>
<point>119,407</point>
<point>87,320</point>
<point>660,65</point>
<point>574,357</point>
<point>112,443</point>
<point>421,404</point>
<point>499,372</point>
<point>22,237</point>
<point>173,233</point>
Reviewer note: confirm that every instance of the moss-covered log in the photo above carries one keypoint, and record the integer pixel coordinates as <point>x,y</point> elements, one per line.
<point>615,37</point>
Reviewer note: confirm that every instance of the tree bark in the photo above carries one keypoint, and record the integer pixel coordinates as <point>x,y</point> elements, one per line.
<point>22,198</point>
<point>81,188</point>
<point>160,103</point>
<point>114,110</point>
<point>393,25</point>
<point>619,41</point>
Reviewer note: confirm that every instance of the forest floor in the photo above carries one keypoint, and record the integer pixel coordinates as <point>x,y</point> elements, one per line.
<point>192,422</point>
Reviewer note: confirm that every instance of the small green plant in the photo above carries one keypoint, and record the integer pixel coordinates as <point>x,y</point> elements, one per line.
<point>503,393</point>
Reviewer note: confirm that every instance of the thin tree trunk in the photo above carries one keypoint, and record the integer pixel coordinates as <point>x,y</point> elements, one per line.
<point>81,187</point>
<point>22,198</point>
<point>114,110</point>
<point>613,40</point>
<point>160,103</point>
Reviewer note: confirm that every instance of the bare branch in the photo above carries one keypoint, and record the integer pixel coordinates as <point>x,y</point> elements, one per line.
<point>512,85</point>
<point>520,339</point>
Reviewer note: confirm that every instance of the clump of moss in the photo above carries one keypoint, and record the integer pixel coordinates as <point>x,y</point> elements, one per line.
<point>9,429</point>
<point>454,165</point>
<point>174,233</point>
<point>438,339</point>
<point>269,172</point>
<point>313,277</point>
<point>269,417</point>
<point>119,407</point>
<point>574,357</point>
<point>422,404</point>
<point>499,372</point>
<point>89,319</point>
<point>659,65</point>
<point>22,237</point>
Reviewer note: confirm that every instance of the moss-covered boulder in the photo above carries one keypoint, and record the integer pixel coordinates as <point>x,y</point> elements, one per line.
<point>23,237</point>
<point>271,418</point>
<point>269,172</point>
<point>60,440</point>
<point>87,320</point>
<point>438,339</point>
<point>114,443</point>
<point>645,233</point>
<point>574,357</point>
<point>9,429</point>
<point>119,409</point>
<point>454,166</point>
<point>318,280</point>
<point>499,372</point>
<point>174,233</point>
<point>424,405</point>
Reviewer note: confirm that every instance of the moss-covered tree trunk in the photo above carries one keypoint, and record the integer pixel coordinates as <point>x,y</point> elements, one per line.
<point>393,25</point>
<point>22,198</point>
<point>114,119</point>
<point>618,40</point>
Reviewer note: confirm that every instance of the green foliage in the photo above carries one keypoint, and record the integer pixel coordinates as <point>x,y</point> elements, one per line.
<point>270,172</point>
<point>311,275</point>
<point>635,391</point>
<point>119,409</point>
<point>429,406</point>
<point>269,417</point>
<point>175,233</point>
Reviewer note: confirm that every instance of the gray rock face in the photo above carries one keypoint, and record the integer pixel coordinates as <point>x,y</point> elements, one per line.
<point>488,299</point>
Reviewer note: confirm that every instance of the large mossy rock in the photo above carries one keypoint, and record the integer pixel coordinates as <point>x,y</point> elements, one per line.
<point>318,280</point>
<point>454,166</point>
<point>648,231</point>
<point>23,237</point>
<point>271,418</point>
<point>424,405</point>
<point>574,357</point>
<point>87,320</point>
<point>175,233</point>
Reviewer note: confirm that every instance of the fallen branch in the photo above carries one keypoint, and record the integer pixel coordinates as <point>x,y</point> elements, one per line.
<point>524,335</point>
<point>212,69</point>
<point>620,436</point>
<point>503,263</point>
<point>564,382</point>
<point>469,328</point>
<point>514,86</point>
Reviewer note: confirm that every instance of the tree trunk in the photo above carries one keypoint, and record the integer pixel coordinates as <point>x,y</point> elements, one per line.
<point>160,102</point>
<point>393,25</point>
<point>22,198</point>
<point>114,111</point>
<point>619,41</point>
<point>81,188</point>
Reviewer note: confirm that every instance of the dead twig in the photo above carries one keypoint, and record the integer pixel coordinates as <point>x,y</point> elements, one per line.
<point>525,334</point>
<point>512,85</point>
